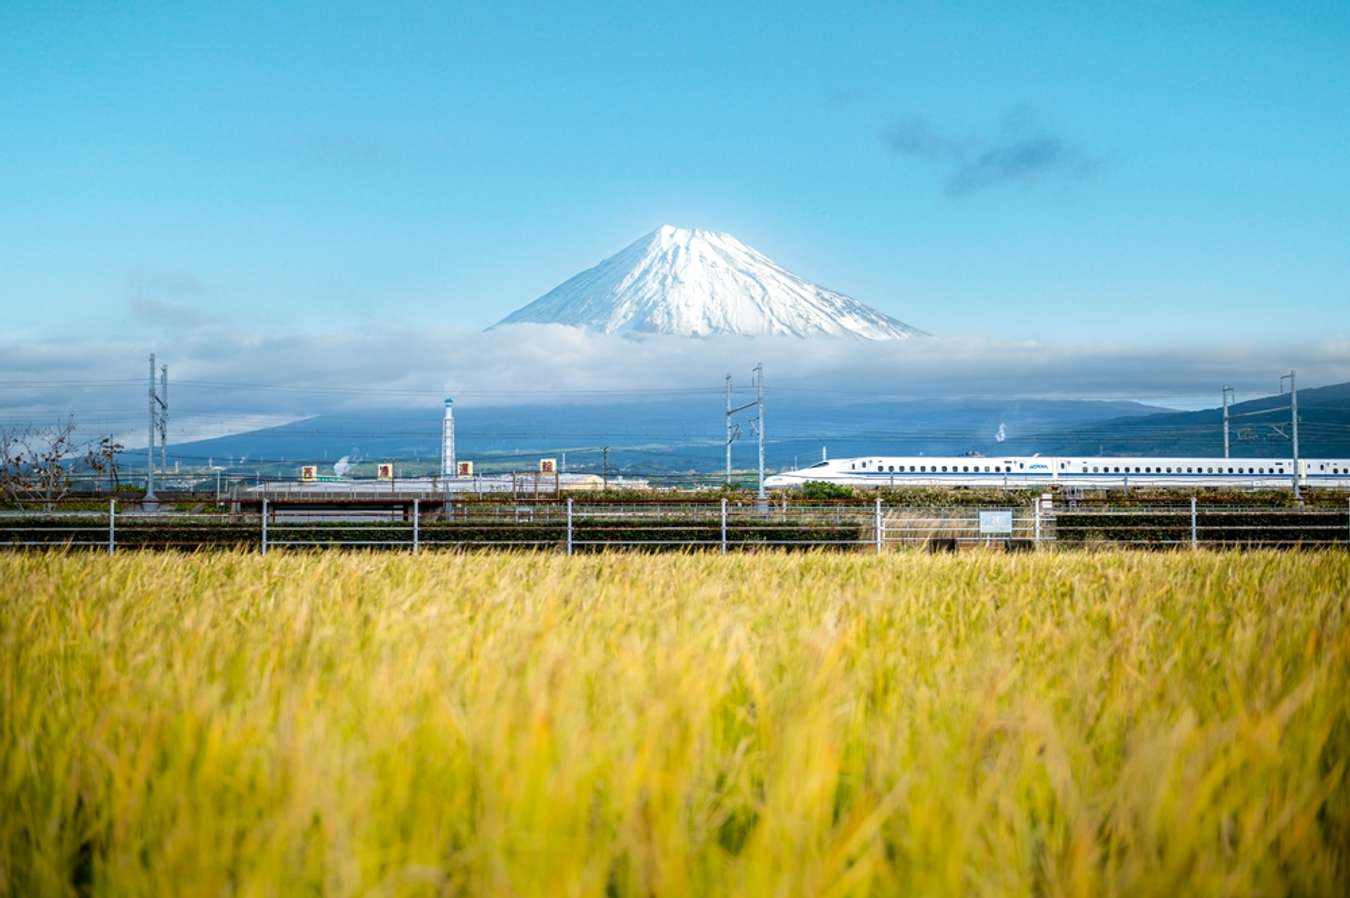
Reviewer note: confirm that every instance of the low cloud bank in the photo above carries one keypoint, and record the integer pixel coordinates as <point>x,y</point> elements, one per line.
<point>226,376</point>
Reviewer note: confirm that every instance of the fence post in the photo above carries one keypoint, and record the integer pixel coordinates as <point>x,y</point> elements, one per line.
<point>1036,516</point>
<point>569,525</point>
<point>112,525</point>
<point>877,524</point>
<point>1195,535</point>
<point>724,525</point>
<point>264,526</point>
<point>417,518</point>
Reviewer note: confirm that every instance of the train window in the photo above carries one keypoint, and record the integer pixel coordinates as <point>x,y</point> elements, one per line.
<point>986,468</point>
<point>911,468</point>
<point>1230,471</point>
<point>1188,471</point>
<point>998,468</point>
<point>944,469</point>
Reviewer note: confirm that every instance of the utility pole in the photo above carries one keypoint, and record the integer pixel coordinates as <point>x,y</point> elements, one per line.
<point>164,416</point>
<point>727,422</point>
<point>759,401</point>
<point>1293,411</point>
<point>1228,397</point>
<point>604,454</point>
<point>150,450</point>
<point>734,430</point>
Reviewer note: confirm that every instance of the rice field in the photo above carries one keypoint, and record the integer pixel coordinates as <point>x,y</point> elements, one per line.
<point>818,724</point>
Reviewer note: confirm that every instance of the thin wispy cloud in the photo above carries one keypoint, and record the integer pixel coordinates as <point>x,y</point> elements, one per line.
<point>167,299</point>
<point>1018,151</point>
<point>343,149</point>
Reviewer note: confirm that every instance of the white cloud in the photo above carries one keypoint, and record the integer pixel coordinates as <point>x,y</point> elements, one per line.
<point>224,375</point>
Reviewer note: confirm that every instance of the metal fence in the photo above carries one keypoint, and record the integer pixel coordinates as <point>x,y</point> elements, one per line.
<point>575,527</point>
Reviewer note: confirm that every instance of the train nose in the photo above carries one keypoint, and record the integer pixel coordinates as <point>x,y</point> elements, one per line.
<point>776,480</point>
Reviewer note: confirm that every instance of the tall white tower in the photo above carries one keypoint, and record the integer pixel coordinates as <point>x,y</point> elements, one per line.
<point>448,439</point>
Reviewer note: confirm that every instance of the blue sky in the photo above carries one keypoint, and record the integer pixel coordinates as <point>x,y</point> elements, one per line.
<point>1143,200</point>
<point>1161,172</point>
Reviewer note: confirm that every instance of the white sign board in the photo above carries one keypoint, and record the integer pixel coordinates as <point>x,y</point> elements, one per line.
<point>996,523</point>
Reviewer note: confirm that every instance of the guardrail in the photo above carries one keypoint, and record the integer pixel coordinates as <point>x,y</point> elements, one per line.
<point>574,527</point>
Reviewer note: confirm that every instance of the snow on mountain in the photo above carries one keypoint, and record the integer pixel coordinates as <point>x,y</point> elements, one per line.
<point>699,283</point>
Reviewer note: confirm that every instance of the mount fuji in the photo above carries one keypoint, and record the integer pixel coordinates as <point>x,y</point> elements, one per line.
<point>697,283</point>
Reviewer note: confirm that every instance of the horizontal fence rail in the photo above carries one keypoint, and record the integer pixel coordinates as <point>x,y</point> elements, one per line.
<point>575,527</point>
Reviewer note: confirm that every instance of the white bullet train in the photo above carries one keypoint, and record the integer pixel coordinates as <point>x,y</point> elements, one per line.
<point>1094,473</point>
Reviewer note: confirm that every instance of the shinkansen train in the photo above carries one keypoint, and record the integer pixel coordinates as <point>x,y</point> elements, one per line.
<point>1098,473</point>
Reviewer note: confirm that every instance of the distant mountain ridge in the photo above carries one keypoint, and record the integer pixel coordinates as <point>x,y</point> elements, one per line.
<point>681,435</point>
<point>698,283</point>
<point>1257,428</point>
<point>655,436</point>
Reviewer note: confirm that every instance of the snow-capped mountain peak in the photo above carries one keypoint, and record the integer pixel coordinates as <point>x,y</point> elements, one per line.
<point>701,283</point>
